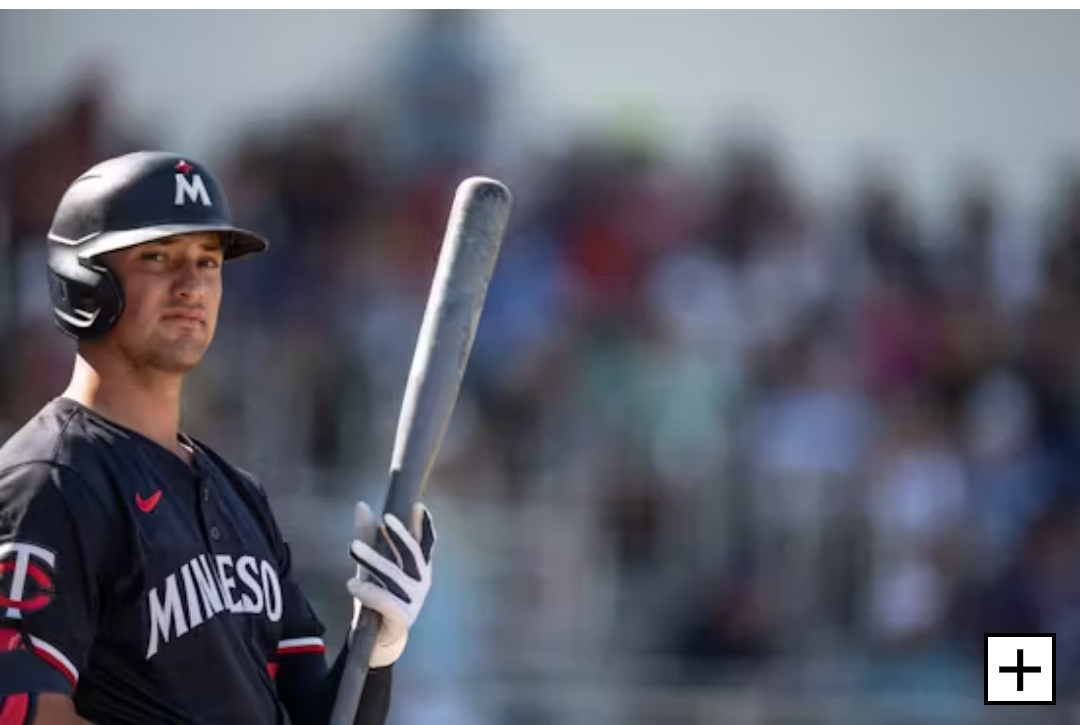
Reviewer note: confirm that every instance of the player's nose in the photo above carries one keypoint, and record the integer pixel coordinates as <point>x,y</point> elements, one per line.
<point>188,282</point>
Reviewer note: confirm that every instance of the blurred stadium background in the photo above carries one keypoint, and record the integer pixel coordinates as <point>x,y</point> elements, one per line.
<point>775,405</point>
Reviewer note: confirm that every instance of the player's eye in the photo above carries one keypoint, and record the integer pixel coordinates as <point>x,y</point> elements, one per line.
<point>210,263</point>
<point>152,256</point>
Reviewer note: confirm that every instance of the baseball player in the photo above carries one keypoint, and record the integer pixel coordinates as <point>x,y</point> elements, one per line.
<point>143,579</point>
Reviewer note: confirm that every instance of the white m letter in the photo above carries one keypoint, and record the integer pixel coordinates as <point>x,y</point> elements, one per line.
<point>193,190</point>
<point>165,615</point>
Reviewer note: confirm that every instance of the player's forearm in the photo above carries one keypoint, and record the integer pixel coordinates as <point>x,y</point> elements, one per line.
<point>53,709</point>
<point>308,689</point>
<point>374,704</point>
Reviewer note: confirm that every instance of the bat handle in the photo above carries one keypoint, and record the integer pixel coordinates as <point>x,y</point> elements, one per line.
<point>351,688</point>
<point>362,637</point>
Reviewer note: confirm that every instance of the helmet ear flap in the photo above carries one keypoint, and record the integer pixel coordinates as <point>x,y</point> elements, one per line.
<point>86,296</point>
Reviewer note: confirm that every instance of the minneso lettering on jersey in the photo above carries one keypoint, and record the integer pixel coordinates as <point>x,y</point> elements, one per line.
<point>207,591</point>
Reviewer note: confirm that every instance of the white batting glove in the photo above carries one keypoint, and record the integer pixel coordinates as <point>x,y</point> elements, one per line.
<point>395,588</point>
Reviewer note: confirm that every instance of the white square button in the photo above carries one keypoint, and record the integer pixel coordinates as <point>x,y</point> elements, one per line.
<point>1020,669</point>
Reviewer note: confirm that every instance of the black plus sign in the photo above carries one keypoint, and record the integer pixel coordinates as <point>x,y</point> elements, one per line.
<point>1019,670</point>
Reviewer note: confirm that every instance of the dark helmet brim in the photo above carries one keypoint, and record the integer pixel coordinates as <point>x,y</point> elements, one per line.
<point>236,242</point>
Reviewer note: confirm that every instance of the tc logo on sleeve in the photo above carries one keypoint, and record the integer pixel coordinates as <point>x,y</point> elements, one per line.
<point>26,578</point>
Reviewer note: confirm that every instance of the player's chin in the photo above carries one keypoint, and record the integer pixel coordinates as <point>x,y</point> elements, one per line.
<point>179,364</point>
<point>180,355</point>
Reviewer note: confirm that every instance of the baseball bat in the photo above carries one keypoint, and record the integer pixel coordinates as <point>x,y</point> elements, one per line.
<point>470,248</point>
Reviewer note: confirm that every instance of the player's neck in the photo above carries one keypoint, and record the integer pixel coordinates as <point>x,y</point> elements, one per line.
<point>147,402</point>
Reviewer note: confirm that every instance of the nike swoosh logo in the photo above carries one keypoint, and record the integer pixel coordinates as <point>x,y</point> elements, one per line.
<point>146,505</point>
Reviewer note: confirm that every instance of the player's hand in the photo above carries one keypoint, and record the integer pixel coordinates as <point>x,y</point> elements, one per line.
<point>394,587</point>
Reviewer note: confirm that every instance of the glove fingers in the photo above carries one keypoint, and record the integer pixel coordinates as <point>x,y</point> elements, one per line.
<point>372,596</point>
<point>423,529</point>
<point>394,573</point>
<point>365,522</point>
<point>404,545</point>
<point>382,569</point>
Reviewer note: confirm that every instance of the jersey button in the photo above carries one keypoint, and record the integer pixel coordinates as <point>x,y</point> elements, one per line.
<point>206,494</point>
<point>215,533</point>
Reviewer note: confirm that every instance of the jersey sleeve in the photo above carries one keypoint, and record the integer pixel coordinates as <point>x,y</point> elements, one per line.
<point>53,549</point>
<point>301,630</point>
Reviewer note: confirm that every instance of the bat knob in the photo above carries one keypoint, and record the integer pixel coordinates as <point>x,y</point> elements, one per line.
<point>483,188</point>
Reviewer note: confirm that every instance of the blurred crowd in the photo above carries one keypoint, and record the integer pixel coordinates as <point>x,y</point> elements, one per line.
<point>714,431</point>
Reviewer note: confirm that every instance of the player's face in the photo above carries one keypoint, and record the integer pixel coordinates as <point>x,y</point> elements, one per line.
<point>172,292</point>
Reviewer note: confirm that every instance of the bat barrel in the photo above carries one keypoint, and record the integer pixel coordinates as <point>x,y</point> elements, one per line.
<point>470,249</point>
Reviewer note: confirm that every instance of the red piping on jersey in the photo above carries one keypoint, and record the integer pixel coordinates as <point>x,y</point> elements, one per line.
<point>56,664</point>
<point>301,645</point>
<point>16,710</point>
<point>303,649</point>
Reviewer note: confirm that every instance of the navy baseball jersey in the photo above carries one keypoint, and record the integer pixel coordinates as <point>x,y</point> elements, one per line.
<point>148,589</point>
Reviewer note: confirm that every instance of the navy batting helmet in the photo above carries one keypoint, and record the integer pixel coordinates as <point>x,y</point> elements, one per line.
<point>125,201</point>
